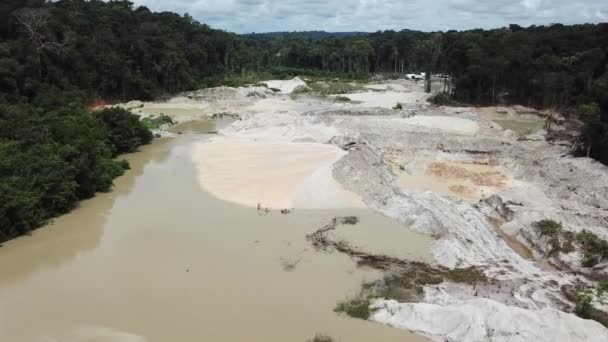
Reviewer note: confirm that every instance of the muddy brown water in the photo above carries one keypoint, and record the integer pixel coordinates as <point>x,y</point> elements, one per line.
<point>202,126</point>
<point>519,123</point>
<point>158,259</point>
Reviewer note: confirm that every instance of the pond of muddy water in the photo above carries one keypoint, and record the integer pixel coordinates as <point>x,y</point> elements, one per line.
<point>204,126</point>
<point>159,259</point>
<point>519,123</point>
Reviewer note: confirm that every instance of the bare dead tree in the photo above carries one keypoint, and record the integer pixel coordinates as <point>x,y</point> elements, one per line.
<point>553,116</point>
<point>34,21</point>
<point>549,119</point>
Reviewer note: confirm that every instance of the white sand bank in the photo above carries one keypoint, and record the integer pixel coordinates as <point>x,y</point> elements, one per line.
<point>287,86</point>
<point>487,320</point>
<point>272,174</point>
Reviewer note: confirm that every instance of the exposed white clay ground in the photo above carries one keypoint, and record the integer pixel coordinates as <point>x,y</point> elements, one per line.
<point>447,172</point>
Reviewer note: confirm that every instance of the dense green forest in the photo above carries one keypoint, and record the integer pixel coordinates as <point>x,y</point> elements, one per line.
<point>57,57</point>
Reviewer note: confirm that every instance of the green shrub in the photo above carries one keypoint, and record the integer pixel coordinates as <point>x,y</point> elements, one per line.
<point>51,159</point>
<point>567,246</point>
<point>469,275</point>
<point>548,227</point>
<point>356,308</point>
<point>342,99</point>
<point>588,112</point>
<point>155,122</point>
<point>594,248</point>
<point>441,99</point>
<point>334,87</point>
<point>583,304</point>
<point>602,287</point>
<point>127,133</point>
<point>584,308</point>
<point>427,279</point>
<point>301,90</point>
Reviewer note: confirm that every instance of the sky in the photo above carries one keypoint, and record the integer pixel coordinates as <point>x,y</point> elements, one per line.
<point>246,16</point>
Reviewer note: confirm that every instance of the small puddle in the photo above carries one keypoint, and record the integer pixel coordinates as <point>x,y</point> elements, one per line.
<point>203,126</point>
<point>376,234</point>
<point>519,123</point>
<point>159,259</point>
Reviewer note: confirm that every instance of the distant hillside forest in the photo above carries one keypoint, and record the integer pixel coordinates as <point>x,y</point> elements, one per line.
<point>58,56</point>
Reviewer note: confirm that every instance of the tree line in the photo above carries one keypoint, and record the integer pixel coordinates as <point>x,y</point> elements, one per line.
<point>553,65</point>
<point>114,50</point>
<point>57,57</point>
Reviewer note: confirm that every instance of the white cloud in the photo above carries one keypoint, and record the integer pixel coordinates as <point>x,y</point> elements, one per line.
<point>243,16</point>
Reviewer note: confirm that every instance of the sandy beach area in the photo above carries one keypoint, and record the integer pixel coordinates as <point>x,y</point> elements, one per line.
<point>276,175</point>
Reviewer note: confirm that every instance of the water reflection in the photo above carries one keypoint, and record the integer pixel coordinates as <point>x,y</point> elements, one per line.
<point>80,231</point>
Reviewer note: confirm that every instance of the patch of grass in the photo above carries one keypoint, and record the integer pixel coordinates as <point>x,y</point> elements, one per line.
<point>583,303</point>
<point>352,220</point>
<point>568,242</point>
<point>357,308</point>
<point>429,279</point>
<point>275,90</point>
<point>342,99</point>
<point>594,248</point>
<point>155,122</point>
<point>602,287</point>
<point>321,338</point>
<point>469,275</point>
<point>333,87</point>
<point>559,240</point>
<point>389,287</point>
<point>567,247</point>
<point>404,287</point>
<point>584,308</point>
<point>224,115</point>
<point>398,107</point>
<point>301,90</point>
<point>392,290</point>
